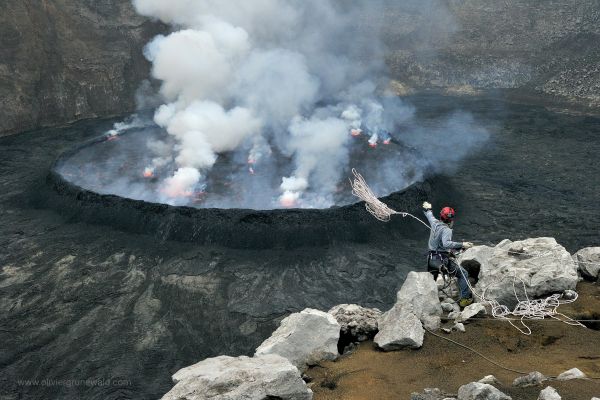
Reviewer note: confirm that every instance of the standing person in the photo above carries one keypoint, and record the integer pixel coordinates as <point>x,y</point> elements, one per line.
<point>441,246</point>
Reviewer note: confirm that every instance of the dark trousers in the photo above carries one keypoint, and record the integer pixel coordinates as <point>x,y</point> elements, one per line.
<point>437,263</point>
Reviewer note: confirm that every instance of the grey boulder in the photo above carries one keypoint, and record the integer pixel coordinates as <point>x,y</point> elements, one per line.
<point>544,266</point>
<point>532,379</point>
<point>588,262</point>
<point>549,394</point>
<point>419,293</point>
<point>490,380</point>
<point>357,322</point>
<point>471,311</point>
<point>573,373</point>
<point>232,378</point>
<point>304,338</point>
<point>399,328</point>
<point>480,391</point>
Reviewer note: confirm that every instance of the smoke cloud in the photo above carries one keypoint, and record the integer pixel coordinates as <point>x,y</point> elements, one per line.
<point>288,92</point>
<point>297,76</point>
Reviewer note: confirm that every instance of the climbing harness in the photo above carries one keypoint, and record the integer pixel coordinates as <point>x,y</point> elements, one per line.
<point>525,308</point>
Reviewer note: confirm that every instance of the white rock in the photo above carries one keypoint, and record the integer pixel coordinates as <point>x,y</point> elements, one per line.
<point>459,327</point>
<point>229,378</point>
<point>358,322</point>
<point>454,315</point>
<point>304,338</point>
<point>490,380</point>
<point>419,292</point>
<point>399,328</point>
<point>549,394</point>
<point>573,373</point>
<point>532,379</point>
<point>447,307</point>
<point>480,391</point>
<point>588,262</point>
<point>542,264</point>
<point>471,311</point>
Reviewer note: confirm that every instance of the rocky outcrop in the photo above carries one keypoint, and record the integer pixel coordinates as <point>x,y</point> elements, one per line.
<point>304,338</point>
<point>66,60</point>
<point>419,293</point>
<point>399,328</point>
<point>544,267</point>
<point>417,306</point>
<point>480,391</point>
<point>229,378</point>
<point>357,323</point>
<point>588,262</point>
<point>549,393</point>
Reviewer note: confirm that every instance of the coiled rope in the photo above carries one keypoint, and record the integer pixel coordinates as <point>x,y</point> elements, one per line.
<point>373,205</point>
<point>525,309</point>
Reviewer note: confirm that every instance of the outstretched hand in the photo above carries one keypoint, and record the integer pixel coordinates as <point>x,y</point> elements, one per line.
<point>426,206</point>
<point>467,245</point>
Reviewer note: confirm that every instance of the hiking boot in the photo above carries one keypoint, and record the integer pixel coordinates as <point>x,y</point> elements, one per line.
<point>465,302</point>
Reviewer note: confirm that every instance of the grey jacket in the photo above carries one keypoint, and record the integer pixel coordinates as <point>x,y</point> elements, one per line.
<point>440,238</point>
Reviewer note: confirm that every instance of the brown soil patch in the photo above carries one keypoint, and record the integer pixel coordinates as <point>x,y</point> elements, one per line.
<point>552,348</point>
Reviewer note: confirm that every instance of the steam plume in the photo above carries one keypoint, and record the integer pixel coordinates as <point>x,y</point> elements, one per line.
<point>242,72</point>
<point>258,82</point>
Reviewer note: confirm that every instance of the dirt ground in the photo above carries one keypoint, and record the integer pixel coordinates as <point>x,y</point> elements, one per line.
<point>552,348</point>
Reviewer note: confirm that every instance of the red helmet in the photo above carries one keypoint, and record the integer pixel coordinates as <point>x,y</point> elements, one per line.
<point>447,214</point>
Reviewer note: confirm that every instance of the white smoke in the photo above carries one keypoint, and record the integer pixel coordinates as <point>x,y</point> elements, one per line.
<point>283,88</point>
<point>255,74</point>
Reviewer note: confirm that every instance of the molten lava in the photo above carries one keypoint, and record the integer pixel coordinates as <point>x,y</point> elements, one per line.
<point>356,132</point>
<point>148,173</point>
<point>289,199</point>
<point>373,140</point>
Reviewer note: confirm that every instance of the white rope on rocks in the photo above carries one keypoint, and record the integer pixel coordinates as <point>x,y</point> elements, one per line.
<point>536,309</point>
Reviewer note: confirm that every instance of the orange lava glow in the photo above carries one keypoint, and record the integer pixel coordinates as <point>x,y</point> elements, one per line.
<point>288,203</point>
<point>148,173</point>
<point>372,145</point>
<point>355,132</point>
<point>387,141</point>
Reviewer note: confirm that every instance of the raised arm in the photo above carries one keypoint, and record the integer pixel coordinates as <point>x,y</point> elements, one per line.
<point>428,213</point>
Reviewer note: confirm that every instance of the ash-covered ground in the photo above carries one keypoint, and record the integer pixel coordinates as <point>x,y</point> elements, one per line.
<point>102,314</point>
